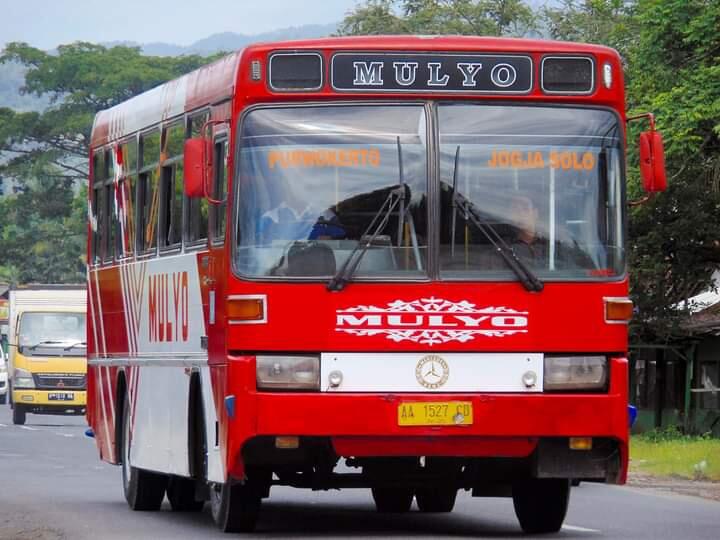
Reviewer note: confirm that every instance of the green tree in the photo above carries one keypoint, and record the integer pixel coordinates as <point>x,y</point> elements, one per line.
<point>606,22</point>
<point>675,239</point>
<point>80,80</point>
<point>42,230</point>
<point>465,17</point>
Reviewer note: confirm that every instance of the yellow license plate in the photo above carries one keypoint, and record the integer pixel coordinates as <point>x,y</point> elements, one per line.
<point>435,413</point>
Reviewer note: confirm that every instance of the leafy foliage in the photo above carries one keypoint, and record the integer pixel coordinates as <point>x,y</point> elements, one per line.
<point>464,17</point>
<point>42,230</point>
<point>675,240</point>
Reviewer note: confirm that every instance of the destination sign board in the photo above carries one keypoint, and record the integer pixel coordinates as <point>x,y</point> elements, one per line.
<point>431,72</point>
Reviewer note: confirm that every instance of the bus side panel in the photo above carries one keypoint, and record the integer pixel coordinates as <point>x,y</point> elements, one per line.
<point>160,419</point>
<point>101,410</point>
<point>215,460</point>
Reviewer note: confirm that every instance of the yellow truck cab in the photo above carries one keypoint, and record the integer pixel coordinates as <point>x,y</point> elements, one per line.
<point>48,359</point>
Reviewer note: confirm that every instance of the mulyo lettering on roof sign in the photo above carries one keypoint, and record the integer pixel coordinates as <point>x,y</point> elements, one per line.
<point>412,72</point>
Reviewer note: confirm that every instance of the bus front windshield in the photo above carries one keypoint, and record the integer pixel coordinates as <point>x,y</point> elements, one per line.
<point>316,181</point>
<point>542,185</point>
<point>545,180</point>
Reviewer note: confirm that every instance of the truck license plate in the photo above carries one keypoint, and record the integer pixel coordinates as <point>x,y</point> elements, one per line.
<point>61,396</point>
<point>435,413</point>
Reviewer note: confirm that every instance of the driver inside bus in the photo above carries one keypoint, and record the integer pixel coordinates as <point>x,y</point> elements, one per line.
<point>526,241</point>
<point>532,247</point>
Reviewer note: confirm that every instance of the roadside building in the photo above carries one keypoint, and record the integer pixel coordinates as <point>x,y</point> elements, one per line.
<point>678,382</point>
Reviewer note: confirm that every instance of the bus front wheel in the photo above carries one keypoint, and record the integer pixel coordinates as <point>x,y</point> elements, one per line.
<point>541,504</point>
<point>235,507</point>
<point>144,490</point>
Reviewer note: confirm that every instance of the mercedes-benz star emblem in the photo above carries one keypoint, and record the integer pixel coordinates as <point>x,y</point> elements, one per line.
<point>432,371</point>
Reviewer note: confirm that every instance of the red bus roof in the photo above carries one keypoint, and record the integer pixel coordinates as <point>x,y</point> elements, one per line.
<point>215,82</point>
<point>436,43</point>
<point>209,84</point>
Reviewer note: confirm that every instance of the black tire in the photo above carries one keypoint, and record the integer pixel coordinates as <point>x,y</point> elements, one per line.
<point>19,415</point>
<point>541,504</point>
<point>144,490</point>
<point>3,399</point>
<point>393,500</point>
<point>235,507</point>
<point>181,494</point>
<point>440,499</point>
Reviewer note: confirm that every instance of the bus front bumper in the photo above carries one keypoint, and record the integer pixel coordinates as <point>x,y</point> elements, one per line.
<point>520,426</point>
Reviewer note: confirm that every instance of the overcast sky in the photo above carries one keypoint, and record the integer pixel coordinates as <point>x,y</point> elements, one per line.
<point>48,23</point>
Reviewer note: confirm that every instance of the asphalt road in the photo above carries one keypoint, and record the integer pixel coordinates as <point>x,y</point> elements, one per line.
<point>52,485</point>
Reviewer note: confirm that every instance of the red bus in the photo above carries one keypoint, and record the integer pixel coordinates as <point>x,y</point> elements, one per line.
<point>393,263</point>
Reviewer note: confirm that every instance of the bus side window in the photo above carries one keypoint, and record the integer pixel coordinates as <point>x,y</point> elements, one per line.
<point>111,221</point>
<point>171,209</point>
<point>148,192</point>
<point>101,224</point>
<point>96,208</point>
<point>126,199</point>
<point>98,212</point>
<point>218,211</point>
<point>198,208</point>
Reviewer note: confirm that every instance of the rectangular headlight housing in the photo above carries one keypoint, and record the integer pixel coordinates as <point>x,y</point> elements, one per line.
<point>22,378</point>
<point>575,372</point>
<point>288,372</point>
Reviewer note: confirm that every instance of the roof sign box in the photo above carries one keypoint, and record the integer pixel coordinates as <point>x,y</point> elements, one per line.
<point>413,72</point>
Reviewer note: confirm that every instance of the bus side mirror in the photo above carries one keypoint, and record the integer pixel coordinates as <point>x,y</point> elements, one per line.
<point>194,157</point>
<point>652,162</point>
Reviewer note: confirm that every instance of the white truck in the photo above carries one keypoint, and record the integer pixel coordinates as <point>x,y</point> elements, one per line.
<point>48,359</point>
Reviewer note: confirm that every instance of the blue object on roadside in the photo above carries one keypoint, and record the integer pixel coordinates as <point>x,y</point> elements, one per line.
<point>632,414</point>
<point>90,433</point>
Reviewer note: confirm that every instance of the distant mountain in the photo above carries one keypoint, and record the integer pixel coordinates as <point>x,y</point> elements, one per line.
<point>12,75</point>
<point>230,41</point>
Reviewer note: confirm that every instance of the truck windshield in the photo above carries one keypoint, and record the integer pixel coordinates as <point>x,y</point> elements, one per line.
<point>546,179</point>
<point>47,329</point>
<point>312,179</point>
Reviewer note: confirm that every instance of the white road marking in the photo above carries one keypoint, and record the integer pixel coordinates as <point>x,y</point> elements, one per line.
<point>575,528</point>
<point>63,434</point>
<point>29,428</point>
<point>3,425</point>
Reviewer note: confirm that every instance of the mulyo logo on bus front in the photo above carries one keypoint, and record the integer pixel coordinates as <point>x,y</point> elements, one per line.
<point>431,321</point>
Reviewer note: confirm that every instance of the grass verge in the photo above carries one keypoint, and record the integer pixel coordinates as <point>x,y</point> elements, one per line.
<point>669,453</point>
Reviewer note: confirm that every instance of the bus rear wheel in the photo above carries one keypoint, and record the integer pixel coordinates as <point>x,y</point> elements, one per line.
<point>541,504</point>
<point>19,415</point>
<point>235,507</point>
<point>144,490</point>
<point>394,500</point>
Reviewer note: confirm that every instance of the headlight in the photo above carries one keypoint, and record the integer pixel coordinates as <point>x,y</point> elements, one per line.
<point>22,378</point>
<point>288,372</point>
<point>575,372</point>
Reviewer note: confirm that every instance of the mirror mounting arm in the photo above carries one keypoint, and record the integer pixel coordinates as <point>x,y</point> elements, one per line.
<point>649,116</point>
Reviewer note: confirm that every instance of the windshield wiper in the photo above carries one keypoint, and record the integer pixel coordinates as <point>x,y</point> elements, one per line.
<point>345,272</point>
<point>73,345</point>
<point>48,342</point>
<point>526,276</point>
